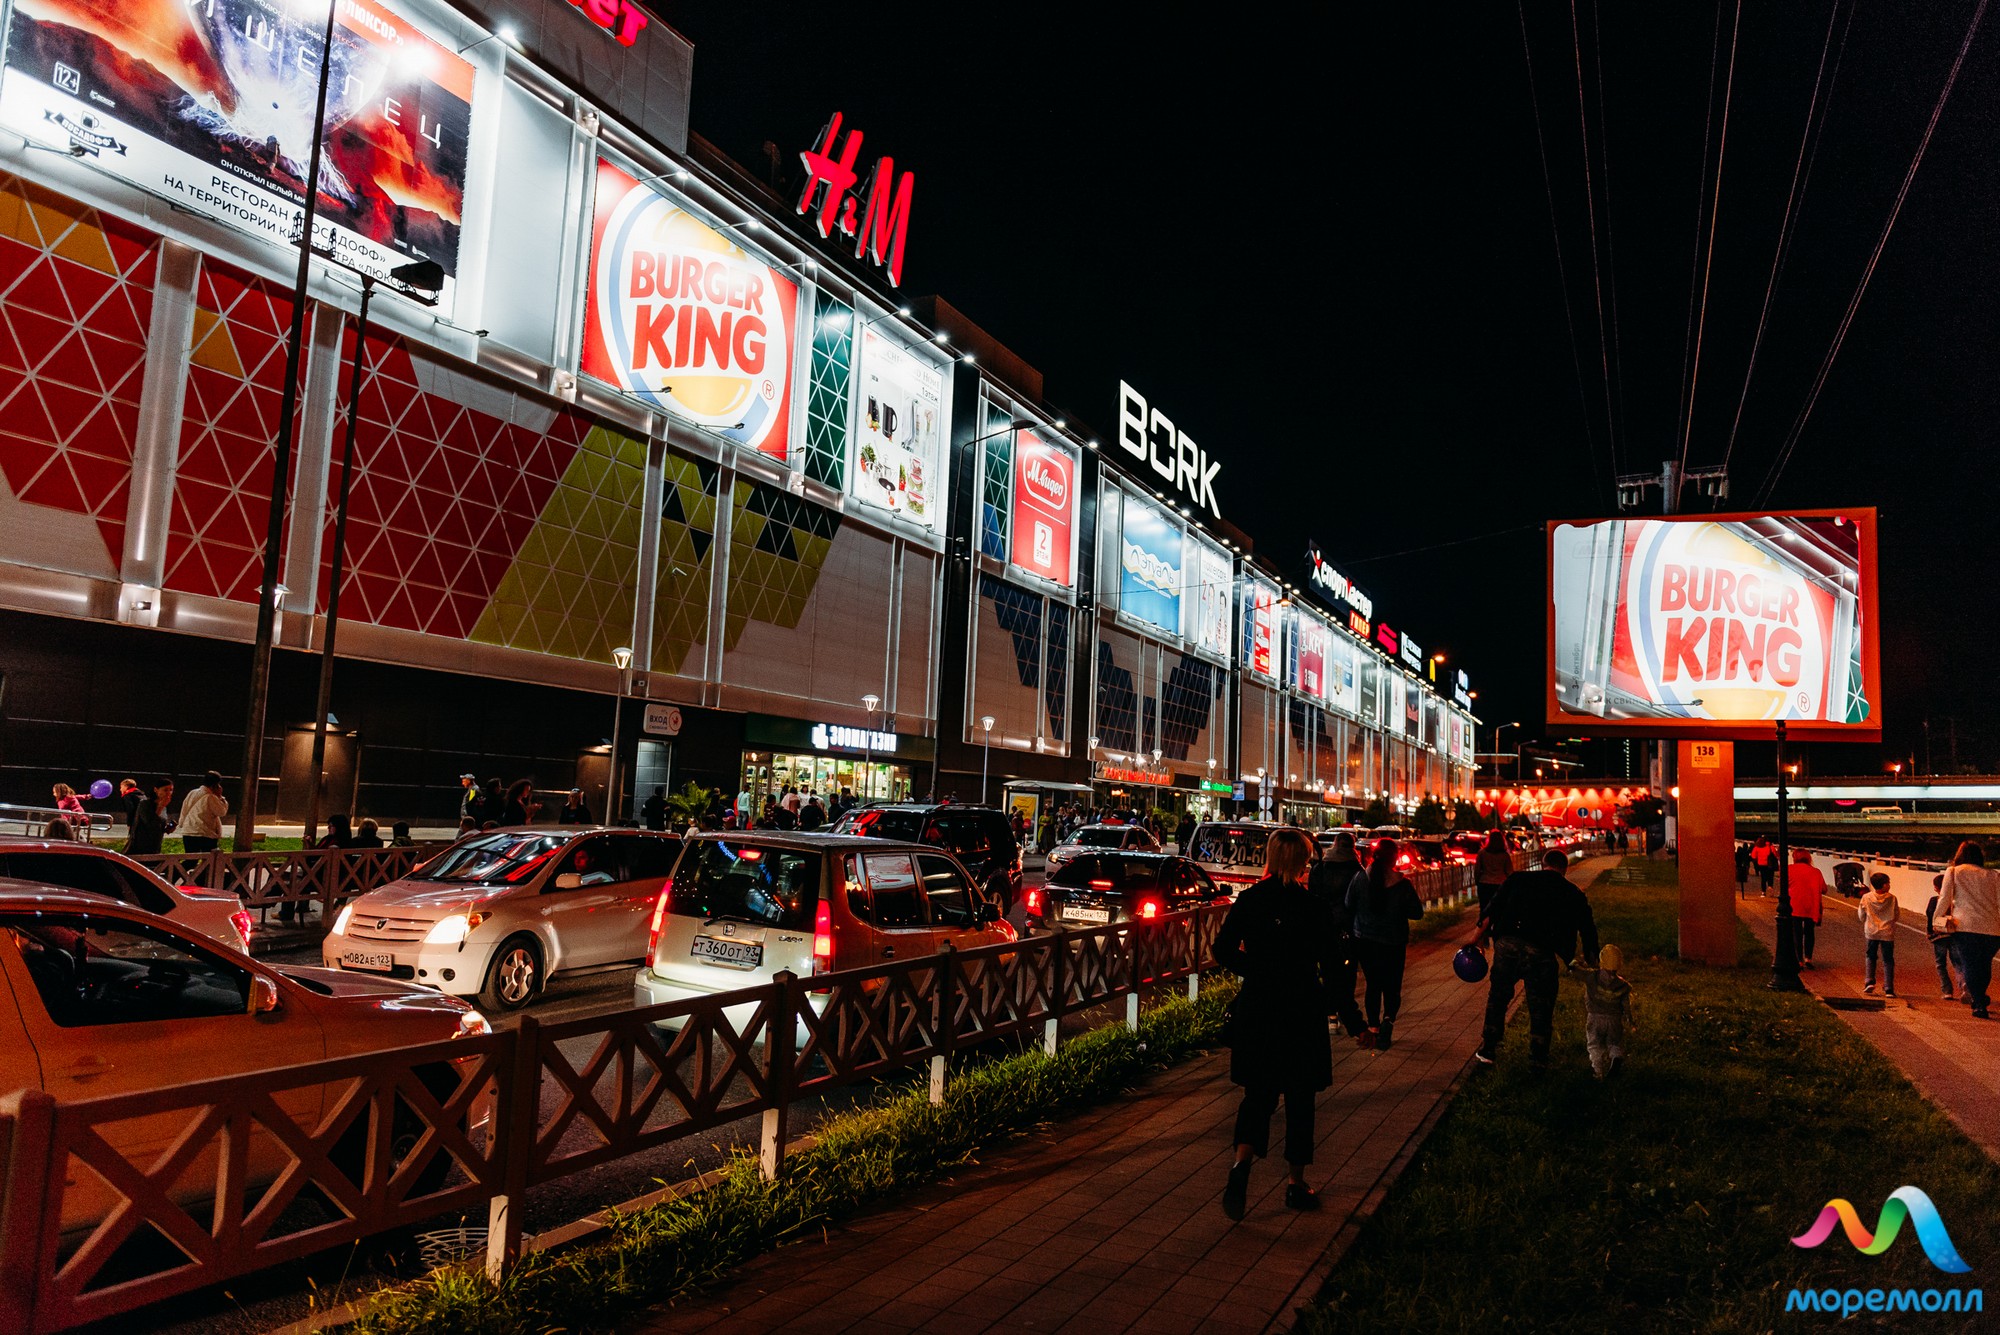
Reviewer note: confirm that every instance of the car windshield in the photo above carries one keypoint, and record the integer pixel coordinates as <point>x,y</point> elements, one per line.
<point>491,859</point>
<point>1231,845</point>
<point>719,879</point>
<point>876,823</point>
<point>1111,876</point>
<point>1100,838</point>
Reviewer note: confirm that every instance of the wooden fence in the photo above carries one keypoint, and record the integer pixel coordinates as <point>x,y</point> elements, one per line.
<point>318,879</point>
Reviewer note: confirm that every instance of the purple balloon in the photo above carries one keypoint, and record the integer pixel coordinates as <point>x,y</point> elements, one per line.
<point>101,789</point>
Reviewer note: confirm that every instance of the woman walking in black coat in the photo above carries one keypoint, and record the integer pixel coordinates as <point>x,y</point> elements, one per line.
<point>1279,940</point>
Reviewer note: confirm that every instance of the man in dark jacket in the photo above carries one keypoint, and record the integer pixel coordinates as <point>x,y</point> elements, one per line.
<point>653,811</point>
<point>1533,922</point>
<point>1328,883</point>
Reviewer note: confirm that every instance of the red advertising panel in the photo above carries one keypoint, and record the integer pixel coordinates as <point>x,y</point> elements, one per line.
<point>1313,640</point>
<point>1716,626</point>
<point>682,316</point>
<point>1044,508</point>
<point>1263,628</point>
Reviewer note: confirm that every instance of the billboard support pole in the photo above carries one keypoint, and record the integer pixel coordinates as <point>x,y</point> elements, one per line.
<point>1785,956</point>
<point>267,597</point>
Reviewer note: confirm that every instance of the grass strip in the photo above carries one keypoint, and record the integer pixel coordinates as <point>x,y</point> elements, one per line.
<point>1664,1200</point>
<point>655,1254</point>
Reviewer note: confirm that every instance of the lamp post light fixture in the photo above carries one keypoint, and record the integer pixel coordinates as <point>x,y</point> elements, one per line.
<point>868,702</point>
<point>1496,751</point>
<point>621,658</point>
<point>985,755</point>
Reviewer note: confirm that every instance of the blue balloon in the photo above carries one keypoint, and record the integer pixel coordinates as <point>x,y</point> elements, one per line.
<point>101,789</point>
<point>1469,964</point>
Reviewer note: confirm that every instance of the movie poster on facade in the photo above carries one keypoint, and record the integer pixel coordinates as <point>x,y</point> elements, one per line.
<point>1313,640</point>
<point>1716,626</point>
<point>893,458</point>
<point>1340,690</point>
<point>1149,587</point>
<point>211,106</point>
<point>1208,605</point>
<point>1368,675</point>
<point>1413,710</point>
<point>1260,627</point>
<point>682,316</point>
<point>1044,508</point>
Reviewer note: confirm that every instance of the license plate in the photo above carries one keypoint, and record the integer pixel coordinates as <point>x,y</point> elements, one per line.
<point>736,954</point>
<point>1088,915</point>
<point>372,963</point>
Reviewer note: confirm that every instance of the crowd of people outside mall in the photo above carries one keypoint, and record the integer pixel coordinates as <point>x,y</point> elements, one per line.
<point>1319,922</point>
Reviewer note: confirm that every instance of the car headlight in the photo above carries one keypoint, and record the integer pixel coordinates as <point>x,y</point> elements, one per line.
<point>452,928</point>
<point>340,922</point>
<point>471,1024</point>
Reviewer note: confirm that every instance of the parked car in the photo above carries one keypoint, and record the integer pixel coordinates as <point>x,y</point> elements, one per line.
<point>1085,838</point>
<point>501,912</point>
<point>981,838</point>
<point>1232,852</point>
<point>102,998</point>
<point>1095,888</point>
<point>740,908</point>
<point>98,871</point>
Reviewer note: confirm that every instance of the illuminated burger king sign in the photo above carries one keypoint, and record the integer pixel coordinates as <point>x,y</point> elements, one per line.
<point>1713,621</point>
<point>680,315</point>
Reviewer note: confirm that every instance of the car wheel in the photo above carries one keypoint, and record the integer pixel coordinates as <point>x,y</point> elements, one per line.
<point>514,978</point>
<point>406,1128</point>
<point>1000,890</point>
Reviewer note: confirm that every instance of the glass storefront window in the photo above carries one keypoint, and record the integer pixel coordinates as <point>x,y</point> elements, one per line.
<point>769,773</point>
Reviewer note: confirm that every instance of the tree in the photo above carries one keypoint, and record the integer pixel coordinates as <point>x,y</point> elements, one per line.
<point>1466,816</point>
<point>1644,813</point>
<point>1429,817</point>
<point>1377,813</point>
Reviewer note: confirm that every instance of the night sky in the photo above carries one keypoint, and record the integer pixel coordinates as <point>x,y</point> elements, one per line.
<point>1326,250</point>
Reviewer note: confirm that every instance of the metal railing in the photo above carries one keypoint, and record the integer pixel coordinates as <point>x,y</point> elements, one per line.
<point>33,822</point>
<point>323,878</point>
<point>117,1202</point>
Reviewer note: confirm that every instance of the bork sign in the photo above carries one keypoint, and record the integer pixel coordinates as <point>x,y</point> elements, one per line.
<point>877,222</point>
<point>1150,435</point>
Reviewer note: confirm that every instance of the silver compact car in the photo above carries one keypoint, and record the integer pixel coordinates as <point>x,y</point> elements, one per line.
<point>501,912</point>
<point>1109,836</point>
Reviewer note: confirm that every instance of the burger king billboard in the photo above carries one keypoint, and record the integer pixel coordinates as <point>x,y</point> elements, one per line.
<point>1716,626</point>
<point>679,314</point>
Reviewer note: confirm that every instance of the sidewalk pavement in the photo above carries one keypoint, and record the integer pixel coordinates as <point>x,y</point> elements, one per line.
<point>1112,1221</point>
<point>1947,1054</point>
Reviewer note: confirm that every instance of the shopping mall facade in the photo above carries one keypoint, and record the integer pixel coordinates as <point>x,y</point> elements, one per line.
<point>657,407</point>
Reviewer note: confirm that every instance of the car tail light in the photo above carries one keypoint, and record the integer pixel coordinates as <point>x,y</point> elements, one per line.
<point>823,938</point>
<point>243,923</point>
<point>1100,885</point>
<point>1150,909</point>
<point>659,917</point>
<point>1034,899</point>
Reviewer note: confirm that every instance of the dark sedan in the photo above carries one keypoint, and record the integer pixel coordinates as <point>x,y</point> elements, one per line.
<point>1093,889</point>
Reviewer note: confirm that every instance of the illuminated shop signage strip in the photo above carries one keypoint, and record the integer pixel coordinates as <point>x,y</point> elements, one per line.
<point>621,18</point>
<point>1150,436</point>
<point>769,732</point>
<point>879,220</point>
<point>833,737</point>
<point>1152,778</point>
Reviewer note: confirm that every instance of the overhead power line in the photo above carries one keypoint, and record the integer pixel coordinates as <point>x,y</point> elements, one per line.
<point>1590,212</point>
<point>1794,199</point>
<point>1562,270</point>
<point>1700,209</point>
<point>1714,216</point>
<point>1874,257</point>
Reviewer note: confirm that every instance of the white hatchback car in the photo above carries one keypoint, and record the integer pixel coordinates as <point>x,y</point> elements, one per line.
<point>216,914</point>
<point>501,912</point>
<point>1102,838</point>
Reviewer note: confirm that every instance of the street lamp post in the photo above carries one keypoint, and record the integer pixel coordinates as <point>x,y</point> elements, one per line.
<point>1785,958</point>
<point>985,755</point>
<point>423,276</point>
<point>281,463</point>
<point>621,657</point>
<point>868,702</point>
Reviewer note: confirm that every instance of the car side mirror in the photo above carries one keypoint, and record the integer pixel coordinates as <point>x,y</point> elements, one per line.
<point>989,913</point>
<point>569,880</point>
<point>263,996</point>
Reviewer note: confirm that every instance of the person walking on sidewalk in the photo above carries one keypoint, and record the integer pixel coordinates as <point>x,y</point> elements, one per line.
<point>1878,912</point>
<point>201,815</point>
<point>1943,953</point>
<point>1807,886</point>
<point>1742,871</point>
<point>1278,940</point>
<point>1969,904</point>
<point>1607,1011</point>
<point>1331,876</point>
<point>1492,868</point>
<point>150,821</point>
<point>1534,924</point>
<point>1381,904</point>
<point>1766,859</point>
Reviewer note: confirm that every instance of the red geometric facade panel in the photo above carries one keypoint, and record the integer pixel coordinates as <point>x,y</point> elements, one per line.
<point>443,495</point>
<point>76,293</point>
<point>222,484</point>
